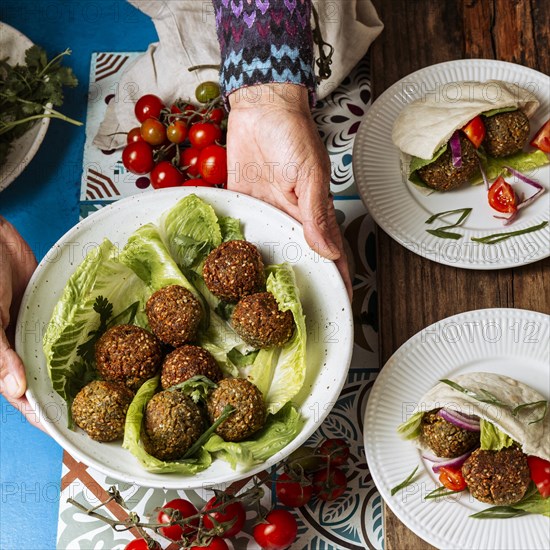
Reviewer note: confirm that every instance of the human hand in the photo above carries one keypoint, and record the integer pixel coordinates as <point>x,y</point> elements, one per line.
<point>17,264</point>
<point>274,153</point>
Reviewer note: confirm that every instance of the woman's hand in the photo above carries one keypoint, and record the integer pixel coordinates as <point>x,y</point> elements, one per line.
<point>17,264</point>
<point>274,153</point>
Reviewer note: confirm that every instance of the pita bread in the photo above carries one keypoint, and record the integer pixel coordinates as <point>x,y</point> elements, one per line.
<point>534,438</point>
<point>426,124</point>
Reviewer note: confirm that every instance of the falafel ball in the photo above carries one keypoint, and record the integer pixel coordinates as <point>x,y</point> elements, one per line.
<point>444,438</point>
<point>250,410</point>
<point>100,407</point>
<point>258,320</point>
<point>171,424</point>
<point>497,477</point>
<point>129,354</point>
<point>441,175</point>
<point>506,133</point>
<point>174,315</point>
<point>188,361</point>
<point>233,270</point>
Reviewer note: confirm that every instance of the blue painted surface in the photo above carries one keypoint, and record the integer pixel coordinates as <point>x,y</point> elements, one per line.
<point>43,204</point>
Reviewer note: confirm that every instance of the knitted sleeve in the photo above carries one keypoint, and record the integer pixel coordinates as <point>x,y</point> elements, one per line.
<point>264,41</point>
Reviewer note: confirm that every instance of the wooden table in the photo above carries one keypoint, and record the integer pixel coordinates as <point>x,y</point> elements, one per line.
<point>419,33</point>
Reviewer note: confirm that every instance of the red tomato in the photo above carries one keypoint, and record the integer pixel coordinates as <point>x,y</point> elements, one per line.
<point>233,513</point>
<point>187,510</point>
<point>542,138</point>
<point>187,108</point>
<point>291,492</point>
<point>540,474</point>
<point>148,106</point>
<point>475,131</point>
<point>176,131</point>
<point>215,115</point>
<point>141,544</point>
<point>279,531</point>
<point>216,543</point>
<point>165,174</point>
<point>452,478</point>
<point>330,483</point>
<point>189,161</point>
<point>153,131</point>
<point>213,164</point>
<point>137,157</point>
<point>203,134</point>
<point>336,451</point>
<point>502,197</point>
<point>134,135</point>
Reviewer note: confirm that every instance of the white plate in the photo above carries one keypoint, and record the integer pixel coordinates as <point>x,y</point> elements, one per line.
<point>13,45</point>
<point>401,209</point>
<point>511,342</point>
<point>280,238</point>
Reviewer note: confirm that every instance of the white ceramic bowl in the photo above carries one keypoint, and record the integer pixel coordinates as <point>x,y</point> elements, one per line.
<point>279,237</point>
<point>13,45</point>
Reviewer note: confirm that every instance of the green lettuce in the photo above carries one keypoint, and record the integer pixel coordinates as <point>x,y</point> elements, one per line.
<point>524,162</point>
<point>491,438</point>
<point>132,433</point>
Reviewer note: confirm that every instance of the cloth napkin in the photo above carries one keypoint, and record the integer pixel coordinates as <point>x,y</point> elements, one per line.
<point>187,37</point>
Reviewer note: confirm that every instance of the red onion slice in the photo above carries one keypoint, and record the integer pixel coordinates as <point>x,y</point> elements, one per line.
<point>451,462</point>
<point>524,178</point>
<point>456,151</point>
<point>484,175</point>
<point>508,219</point>
<point>464,421</point>
<point>531,199</point>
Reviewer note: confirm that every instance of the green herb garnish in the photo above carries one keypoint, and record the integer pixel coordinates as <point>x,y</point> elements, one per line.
<point>25,92</point>
<point>499,512</point>
<point>499,237</point>
<point>441,231</point>
<point>440,491</point>
<point>197,387</point>
<point>405,483</point>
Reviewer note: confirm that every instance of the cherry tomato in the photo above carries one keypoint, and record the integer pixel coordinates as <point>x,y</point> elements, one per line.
<point>452,478</point>
<point>165,174</point>
<point>137,157</point>
<point>502,197</point>
<point>291,492</point>
<point>196,182</point>
<point>336,451</point>
<point>189,161</point>
<point>304,458</point>
<point>213,164</point>
<point>177,131</point>
<point>186,509</point>
<point>148,106</point>
<point>141,544</point>
<point>475,131</point>
<point>153,131</point>
<point>233,512</point>
<point>207,91</point>
<point>542,138</point>
<point>330,483</point>
<point>540,474</point>
<point>215,115</point>
<point>134,135</point>
<point>279,531</point>
<point>203,134</point>
<point>216,543</point>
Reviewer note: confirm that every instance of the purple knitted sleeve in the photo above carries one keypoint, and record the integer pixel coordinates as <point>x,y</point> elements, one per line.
<point>264,41</point>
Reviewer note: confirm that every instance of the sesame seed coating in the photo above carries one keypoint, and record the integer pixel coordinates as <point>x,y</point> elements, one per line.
<point>258,320</point>
<point>174,315</point>
<point>129,354</point>
<point>506,133</point>
<point>188,361</point>
<point>250,410</point>
<point>497,477</point>
<point>233,270</point>
<point>171,424</point>
<point>100,407</point>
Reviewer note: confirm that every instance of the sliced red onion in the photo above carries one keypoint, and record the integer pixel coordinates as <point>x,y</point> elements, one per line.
<point>456,152</point>
<point>524,178</point>
<point>508,219</point>
<point>451,462</point>
<point>484,175</point>
<point>464,421</point>
<point>531,199</point>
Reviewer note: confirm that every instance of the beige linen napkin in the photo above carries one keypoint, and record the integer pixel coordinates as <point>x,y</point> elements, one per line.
<point>187,37</point>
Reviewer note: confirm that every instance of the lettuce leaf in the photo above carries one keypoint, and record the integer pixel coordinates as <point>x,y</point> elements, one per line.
<point>524,162</point>
<point>279,373</point>
<point>132,432</point>
<point>491,438</point>
<point>231,229</point>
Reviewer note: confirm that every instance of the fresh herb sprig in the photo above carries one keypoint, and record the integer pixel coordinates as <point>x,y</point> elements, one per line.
<point>442,232</point>
<point>404,483</point>
<point>496,238</point>
<point>28,92</point>
<point>441,491</point>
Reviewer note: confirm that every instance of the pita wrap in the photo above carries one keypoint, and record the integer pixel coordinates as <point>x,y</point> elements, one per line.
<point>534,438</point>
<point>426,124</point>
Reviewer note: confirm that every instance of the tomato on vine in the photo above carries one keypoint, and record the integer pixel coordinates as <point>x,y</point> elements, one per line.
<point>292,492</point>
<point>335,451</point>
<point>134,135</point>
<point>148,106</point>
<point>142,544</point>
<point>165,174</point>
<point>233,513</point>
<point>207,91</point>
<point>203,134</point>
<point>186,509</point>
<point>137,157</point>
<point>213,164</point>
<point>277,532</point>
<point>329,483</point>
<point>216,543</point>
<point>153,131</point>
<point>177,131</point>
<point>189,159</point>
